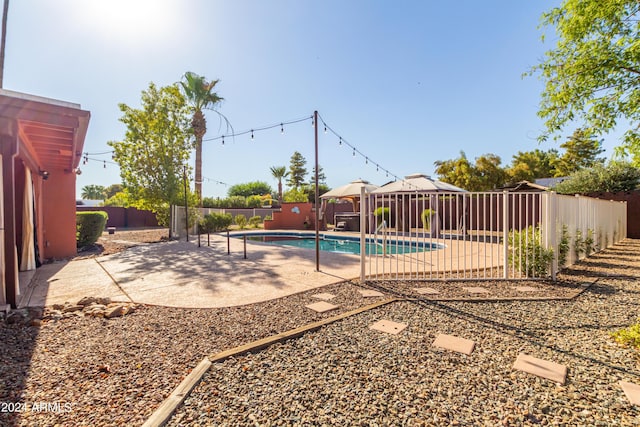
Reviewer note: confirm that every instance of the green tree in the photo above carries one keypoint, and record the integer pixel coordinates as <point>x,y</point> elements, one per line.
<point>154,150</point>
<point>255,188</point>
<point>295,195</point>
<point>279,172</point>
<point>458,172</point>
<point>489,172</point>
<point>112,190</point>
<point>311,191</point>
<point>297,170</point>
<point>531,165</point>
<point>93,192</point>
<point>615,176</point>
<point>581,152</point>
<point>592,73</point>
<point>120,199</point>
<point>322,178</point>
<point>200,93</point>
<point>486,174</point>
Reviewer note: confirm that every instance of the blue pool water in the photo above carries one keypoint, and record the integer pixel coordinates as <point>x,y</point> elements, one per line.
<point>334,243</point>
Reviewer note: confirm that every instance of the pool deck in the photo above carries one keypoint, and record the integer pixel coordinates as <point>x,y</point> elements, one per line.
<point>181,274</point>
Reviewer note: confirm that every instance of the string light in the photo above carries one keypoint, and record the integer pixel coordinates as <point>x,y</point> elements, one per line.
<point>327,129</point>
<point>257,129</point>
<point>105,164</point>
<point>355,150</point>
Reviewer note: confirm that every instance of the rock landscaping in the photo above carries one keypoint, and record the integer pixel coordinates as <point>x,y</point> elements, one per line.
<point>95,370</point>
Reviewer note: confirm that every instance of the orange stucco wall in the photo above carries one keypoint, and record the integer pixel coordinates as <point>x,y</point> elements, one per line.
<point>59,215</point>
<point>292,217</point>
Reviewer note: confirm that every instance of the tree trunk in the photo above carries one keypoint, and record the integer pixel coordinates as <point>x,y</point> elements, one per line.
<point>198,183</point>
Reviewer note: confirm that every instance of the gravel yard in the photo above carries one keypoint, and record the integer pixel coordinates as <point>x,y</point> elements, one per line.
<point>94,371</point>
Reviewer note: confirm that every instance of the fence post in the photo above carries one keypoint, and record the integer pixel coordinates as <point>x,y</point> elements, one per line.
<point>552,215</point>
<point>505,232</point>
<point>245,246</point>
<point>364,206</point>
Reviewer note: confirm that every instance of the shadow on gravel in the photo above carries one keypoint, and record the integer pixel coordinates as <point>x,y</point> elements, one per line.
<point>17,343</point>
<point>534,333</point>
<point>532,336</point>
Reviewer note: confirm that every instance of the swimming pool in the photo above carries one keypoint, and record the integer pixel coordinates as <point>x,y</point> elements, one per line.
<point>336,244</point>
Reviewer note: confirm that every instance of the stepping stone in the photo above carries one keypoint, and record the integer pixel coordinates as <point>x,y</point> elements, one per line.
<point>476,290</point>
<point>542,368</point>
<point>388,326</point>
<point>526,289</point>
<point>321,306</point>
<point>426,291</point>
<point>632,391</point>
<point>450,342</point>
<point>368,293</point>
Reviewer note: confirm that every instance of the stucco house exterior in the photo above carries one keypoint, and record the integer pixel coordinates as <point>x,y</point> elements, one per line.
<point>41,142</point>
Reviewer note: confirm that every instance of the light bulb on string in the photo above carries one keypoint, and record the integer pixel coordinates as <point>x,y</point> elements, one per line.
<point>105,164</point>
<point>366,160</point>
<point>354,152</point>
<point>340,142</point>
<point>222,139</point>
<point>325,128</point>
<point>377,168</point>
<point>252,134</point>
<point>281,128</point>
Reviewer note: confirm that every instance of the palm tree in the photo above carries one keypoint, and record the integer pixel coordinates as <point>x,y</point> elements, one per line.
<point>92,192</point>
<point>278,173</point>
<point>200,94</point>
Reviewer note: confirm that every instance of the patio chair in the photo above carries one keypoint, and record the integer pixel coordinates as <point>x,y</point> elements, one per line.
<point>340,226</point>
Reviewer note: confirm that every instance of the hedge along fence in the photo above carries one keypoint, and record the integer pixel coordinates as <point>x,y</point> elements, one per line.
<point>89,227</point>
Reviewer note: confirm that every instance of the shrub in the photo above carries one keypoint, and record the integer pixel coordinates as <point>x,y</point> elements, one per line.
<point>254,202</point>
<point>426,218</point>
<point>267,218</point>
<point>589,243</point>
<point>629,336</point>
<point>579,244</point>
<point>241,221</point>
<point>382,214</point>
<point>214,222</point>
<point>236,202</point>
<point>563,246</point>
<point>527,253</point>
<point>89,227</point>
<point>255,221</point>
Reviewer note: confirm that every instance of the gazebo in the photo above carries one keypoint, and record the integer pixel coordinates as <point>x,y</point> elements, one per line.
<point>408,189</point>
<point>351,192</point>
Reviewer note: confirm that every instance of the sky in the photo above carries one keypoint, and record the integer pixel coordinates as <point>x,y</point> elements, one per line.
<point>406,83</point>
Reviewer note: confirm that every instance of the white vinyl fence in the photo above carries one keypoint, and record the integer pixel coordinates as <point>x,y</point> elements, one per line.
<point>482,235</point>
